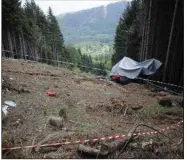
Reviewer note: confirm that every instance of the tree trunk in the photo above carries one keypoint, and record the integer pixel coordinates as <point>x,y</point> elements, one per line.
<point>32,52</point>
<point>169,44</point>
<point>153,25</point>
<point>10,44</point>
<point>23,42</point>
<point>155,29</point>
<point>3,52</point>
<point>21,47</point>
<point>36,53</point>
<point>148,30</point>
<point>41,55</point>
<point>172,74</point>
<point>143,40</point>
<point>14,44</point>
<point>46,53</point>
<point>26,50</point>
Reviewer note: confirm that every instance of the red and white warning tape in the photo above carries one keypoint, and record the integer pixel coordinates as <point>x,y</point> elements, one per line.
<point>92,140</point>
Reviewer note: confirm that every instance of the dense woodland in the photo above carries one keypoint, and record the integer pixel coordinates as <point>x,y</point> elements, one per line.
<point>146,29</point>
<point>153,29</point>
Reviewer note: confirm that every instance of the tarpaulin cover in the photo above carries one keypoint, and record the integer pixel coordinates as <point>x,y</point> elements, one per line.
<point>132,69</point>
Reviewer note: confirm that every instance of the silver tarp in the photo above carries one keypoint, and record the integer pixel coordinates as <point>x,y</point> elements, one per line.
<point>132,69</point>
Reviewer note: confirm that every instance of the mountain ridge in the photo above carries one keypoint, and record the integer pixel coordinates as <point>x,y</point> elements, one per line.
<point>72,12</point>
<point>95,24</point>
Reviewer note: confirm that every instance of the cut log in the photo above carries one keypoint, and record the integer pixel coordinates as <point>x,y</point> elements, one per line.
<point>48,149</point>
<point>56,121</point>
<point>165,102</point>
<point>105,148</point>
<point>137,107</point>
<point>113,146</point>
<point>62,113</point>
<point>88,150</point>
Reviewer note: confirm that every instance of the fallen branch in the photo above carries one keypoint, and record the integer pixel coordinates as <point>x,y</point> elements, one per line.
<point>153,129</point>
<point>52,137</point>
<point>124,147</point>
<point>33,141</point>
<point>33,73</point>
<point>15,89</point>
<point>125,111</point>
<point>134,130</point>
<point>112,119</point>
<point>72,121</point>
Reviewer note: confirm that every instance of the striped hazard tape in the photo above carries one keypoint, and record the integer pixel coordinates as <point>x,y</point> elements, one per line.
<point>92,140</point>
<point>169,84</point>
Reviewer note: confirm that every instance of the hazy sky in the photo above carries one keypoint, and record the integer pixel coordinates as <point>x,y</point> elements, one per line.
<point>62,6</point>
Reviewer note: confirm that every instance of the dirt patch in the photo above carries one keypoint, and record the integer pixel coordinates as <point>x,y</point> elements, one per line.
<point>95,108</point>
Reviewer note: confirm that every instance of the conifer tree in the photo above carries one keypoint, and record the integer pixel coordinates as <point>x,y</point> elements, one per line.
<point>126,33</point>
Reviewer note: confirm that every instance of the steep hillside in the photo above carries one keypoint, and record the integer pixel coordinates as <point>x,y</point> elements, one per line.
<point>96,24</point>
<point>94,108</point>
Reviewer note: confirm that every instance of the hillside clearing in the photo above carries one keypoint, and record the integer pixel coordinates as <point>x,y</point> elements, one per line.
<point>92,105</point>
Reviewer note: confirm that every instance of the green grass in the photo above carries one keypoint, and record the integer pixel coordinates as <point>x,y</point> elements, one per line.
<point>82,126</point>
<point>108,65</point>
<point>159,110</point>
<point>107,93</point>
<point>76,70</point>
<point>80,117</point>
<point>95,48</point>
<point>49,111</point>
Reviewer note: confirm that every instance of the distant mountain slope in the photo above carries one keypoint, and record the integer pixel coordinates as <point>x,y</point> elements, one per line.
<point>96,24</point>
